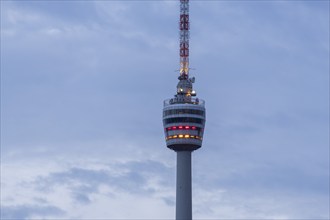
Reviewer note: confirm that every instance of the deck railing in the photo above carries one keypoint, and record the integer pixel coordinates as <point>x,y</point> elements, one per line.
<point>184,100</point>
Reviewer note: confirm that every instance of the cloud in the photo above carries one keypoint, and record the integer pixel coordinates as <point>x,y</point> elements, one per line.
<point>136,177</point>
<point>80,55</point>
<point>83,84</point>
<point>96,186</point>
<point>257,204</point>
<point>30,211</point>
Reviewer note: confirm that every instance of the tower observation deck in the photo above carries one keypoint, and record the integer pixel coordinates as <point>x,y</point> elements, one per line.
<point>184,121</point>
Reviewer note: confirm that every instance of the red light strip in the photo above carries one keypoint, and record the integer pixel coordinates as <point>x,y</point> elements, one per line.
<point>181,128</point>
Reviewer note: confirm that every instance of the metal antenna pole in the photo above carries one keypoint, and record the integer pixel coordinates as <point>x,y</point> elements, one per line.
<point>184,39</point>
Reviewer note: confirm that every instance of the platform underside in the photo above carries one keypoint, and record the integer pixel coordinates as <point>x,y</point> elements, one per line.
<point>184,147</point>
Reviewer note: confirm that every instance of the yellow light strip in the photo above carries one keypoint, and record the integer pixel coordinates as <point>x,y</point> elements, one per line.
<point>184,136</point>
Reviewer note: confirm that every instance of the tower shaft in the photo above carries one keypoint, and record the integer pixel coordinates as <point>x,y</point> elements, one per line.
<point>183,186</point>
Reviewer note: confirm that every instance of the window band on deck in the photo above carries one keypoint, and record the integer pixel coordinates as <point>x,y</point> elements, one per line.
<point>183,111</point>
<point>183,119</point>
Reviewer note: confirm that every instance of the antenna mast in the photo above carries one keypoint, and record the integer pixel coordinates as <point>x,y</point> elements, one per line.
<point>184,39</point>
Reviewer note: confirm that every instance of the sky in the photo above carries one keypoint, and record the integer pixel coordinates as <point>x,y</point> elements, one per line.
<point>82,90</point>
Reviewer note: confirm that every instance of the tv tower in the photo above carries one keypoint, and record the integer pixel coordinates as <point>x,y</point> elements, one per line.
<point>184,121</point>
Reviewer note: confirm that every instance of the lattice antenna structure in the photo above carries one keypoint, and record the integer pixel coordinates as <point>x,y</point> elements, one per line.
<point>184,39</point>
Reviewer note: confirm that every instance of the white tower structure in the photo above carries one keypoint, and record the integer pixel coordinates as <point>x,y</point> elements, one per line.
<point>184,122</point>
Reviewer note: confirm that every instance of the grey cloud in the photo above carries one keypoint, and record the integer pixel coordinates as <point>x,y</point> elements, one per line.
<point>25,211</point>
<point>81,198</point>
<point>40,200</point>
<point>153,168</point>
<point>170,201</point>
<point>84,182</point>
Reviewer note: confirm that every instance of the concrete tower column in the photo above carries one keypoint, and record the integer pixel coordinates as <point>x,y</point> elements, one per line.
<point>183,186</point>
